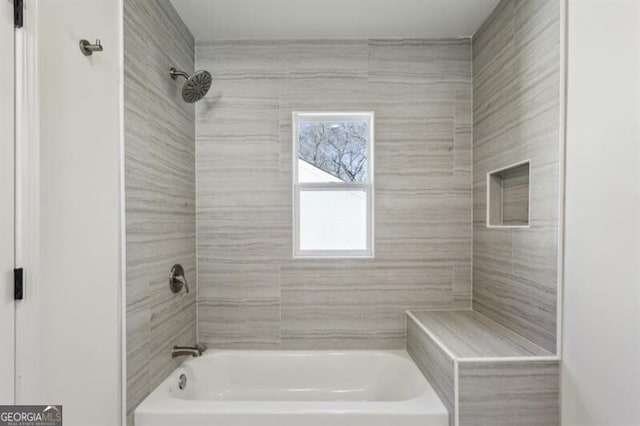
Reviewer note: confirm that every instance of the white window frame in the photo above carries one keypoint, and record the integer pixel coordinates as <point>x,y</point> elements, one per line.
<point>366,186</point>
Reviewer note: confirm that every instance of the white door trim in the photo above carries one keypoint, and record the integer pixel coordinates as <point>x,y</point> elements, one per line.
<point>27,204</point>
<point>7,207</point>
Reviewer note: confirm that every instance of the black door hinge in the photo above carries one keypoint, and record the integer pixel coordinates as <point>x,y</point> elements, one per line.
<point>18,284</point>
<point>18,13</point>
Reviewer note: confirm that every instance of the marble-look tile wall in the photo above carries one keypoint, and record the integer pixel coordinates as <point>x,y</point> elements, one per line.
<point>509,393</point>
<point>252,294</point>
<point>160,193</point>
<point>437,365</point>
<point>516,116</point>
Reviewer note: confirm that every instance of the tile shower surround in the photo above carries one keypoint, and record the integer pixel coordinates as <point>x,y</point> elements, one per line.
<point>252,294</point>
<point>516,117</point>
<point>160,193</point>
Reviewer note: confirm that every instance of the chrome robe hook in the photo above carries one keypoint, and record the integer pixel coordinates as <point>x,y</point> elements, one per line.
<point>87,48</point>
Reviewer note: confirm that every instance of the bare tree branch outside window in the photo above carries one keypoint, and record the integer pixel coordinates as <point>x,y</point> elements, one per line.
<point>339,149</point>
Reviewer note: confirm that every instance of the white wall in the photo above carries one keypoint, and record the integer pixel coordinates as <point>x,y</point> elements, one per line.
<point>601,373</point>
<point>70,326</point>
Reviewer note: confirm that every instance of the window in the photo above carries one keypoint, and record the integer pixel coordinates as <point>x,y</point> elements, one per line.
<point>333,184</point>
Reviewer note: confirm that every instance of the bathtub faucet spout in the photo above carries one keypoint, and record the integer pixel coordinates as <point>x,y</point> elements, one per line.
<point>194,351</point>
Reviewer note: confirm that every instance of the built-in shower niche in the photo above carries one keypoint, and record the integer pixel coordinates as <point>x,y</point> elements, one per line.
<point>508,196</point>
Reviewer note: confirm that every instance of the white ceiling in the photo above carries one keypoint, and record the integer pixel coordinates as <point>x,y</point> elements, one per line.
<point>331,19</point>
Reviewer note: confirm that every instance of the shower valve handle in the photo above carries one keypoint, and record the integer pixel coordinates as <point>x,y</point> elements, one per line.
<point>177,280</point>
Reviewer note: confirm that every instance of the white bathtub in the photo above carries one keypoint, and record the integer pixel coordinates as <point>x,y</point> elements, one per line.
<point>295,388</point>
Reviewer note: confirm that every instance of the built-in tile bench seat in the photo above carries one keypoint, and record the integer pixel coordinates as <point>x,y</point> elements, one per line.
<point>485,374</point>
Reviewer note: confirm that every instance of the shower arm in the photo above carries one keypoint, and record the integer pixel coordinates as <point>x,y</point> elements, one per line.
<point>175,73</point>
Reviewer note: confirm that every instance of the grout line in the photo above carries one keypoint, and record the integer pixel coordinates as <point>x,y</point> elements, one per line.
<point>195,203</point>
<point>406,334</point>
<point>471,177</point>
<point>456,393</point>
<point>280,333</point>
<point>124,385</point>
<point>560,238</point>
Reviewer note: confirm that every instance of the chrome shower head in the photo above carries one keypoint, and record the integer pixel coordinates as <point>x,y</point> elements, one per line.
<point>196,86</point>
